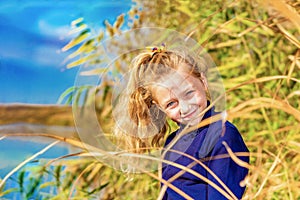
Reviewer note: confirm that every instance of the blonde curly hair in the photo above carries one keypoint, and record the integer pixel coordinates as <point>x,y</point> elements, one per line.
<point>141,125</point>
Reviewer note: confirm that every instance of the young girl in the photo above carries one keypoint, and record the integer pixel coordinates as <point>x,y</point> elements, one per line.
<point>173,85</point>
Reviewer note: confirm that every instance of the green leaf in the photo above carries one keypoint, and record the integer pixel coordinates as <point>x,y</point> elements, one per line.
<point>78,29</point>
<point>21,177</point>
<point>82,60</point>
<point>47,184</point>
<point>67,92</point>
<point>77,21</point>
<point>86,47</point>
<point>94,72</point>
<point>8,191</point>
<point>82,36</point>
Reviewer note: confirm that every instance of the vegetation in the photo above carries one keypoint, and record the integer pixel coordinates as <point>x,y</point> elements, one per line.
<point>257,50</point>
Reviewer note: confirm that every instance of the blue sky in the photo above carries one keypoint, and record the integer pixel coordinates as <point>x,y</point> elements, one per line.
<point>32,33</point>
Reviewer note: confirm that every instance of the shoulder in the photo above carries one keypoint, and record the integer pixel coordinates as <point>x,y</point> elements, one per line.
<point>170,137</point>
<point>231,131</point>
<point>232,137</point>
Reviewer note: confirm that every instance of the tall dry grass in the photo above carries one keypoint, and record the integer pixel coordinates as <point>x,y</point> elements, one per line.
<point>255,45</point>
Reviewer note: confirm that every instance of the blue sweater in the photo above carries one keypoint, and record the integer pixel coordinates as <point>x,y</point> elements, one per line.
<point>203,144</point>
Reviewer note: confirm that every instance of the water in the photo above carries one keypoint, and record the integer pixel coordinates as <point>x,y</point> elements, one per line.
<point>11,154</point>
<point>14,151</point>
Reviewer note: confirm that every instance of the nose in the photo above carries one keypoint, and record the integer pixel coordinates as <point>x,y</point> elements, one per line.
<point>184,107</point>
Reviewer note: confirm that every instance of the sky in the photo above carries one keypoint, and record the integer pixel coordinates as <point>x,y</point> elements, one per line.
<point>32,33</point>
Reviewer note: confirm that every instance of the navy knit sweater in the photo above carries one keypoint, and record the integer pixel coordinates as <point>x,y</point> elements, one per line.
<point>205,144</point>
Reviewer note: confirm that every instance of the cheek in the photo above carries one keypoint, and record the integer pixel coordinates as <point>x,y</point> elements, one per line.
<point>200,99</point>
<point>174,114</point>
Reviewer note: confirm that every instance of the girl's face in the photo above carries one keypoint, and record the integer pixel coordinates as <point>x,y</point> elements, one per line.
<point>182,97</point>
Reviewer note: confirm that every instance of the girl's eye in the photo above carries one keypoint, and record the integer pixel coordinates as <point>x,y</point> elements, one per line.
<point>190,92</point>
<point>171,104</point>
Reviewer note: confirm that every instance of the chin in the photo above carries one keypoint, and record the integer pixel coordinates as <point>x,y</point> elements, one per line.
<point>190,123</point>
<point>194,122</point>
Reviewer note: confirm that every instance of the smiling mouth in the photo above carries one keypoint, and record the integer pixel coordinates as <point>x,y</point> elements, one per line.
<point>189,116</point>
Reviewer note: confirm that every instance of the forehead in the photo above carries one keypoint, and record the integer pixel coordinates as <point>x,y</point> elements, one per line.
<point>174,81</point>
<point>173,84</point>
<point>169,76</point>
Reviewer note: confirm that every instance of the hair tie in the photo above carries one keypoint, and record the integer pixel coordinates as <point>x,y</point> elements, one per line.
<point>158,49</point>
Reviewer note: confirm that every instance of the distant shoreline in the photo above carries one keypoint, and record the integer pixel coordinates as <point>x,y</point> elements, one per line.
<point>45,114</point>
<point>37,118</point>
